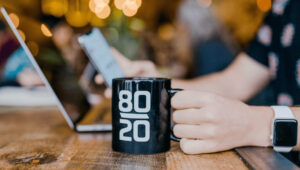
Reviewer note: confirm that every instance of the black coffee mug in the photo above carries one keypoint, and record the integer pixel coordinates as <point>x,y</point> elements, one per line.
<point>141,115</point>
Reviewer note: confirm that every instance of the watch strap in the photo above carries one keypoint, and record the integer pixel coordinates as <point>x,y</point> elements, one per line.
<point>282,149</point>
<point>281,112</point>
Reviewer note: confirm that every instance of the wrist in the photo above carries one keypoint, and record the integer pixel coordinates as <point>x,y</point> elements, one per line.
<point>261,126</point>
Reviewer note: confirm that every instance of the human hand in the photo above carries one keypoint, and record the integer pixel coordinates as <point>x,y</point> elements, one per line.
<point>210,123</point>
<point>29,78</point>
<point>140,68</point>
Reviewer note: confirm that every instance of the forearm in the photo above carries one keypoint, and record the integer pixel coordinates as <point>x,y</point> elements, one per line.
<point>221,83</point>
<point>241,80</point>
<point>201,83</point>
<point>214,83</point>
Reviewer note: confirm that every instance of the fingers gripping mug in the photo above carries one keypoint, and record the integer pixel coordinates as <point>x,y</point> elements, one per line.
<point>141,115</point>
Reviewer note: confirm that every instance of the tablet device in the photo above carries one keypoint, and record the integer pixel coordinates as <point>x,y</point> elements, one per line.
<point>100,55</point>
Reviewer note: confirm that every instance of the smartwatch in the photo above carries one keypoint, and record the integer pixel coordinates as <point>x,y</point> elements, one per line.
<point>284,129</point>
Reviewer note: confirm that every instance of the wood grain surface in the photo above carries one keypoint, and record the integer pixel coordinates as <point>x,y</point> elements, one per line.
<point>39,138</point>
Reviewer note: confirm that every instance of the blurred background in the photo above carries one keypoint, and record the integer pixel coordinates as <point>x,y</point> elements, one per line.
<point>184,38</point>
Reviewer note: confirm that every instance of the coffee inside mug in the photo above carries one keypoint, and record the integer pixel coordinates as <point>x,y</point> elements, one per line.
<point>141,114</point>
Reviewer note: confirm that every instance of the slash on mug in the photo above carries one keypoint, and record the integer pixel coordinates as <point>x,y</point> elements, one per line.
<point>141,115</point>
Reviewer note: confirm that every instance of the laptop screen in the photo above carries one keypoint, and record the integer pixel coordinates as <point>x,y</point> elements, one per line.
<point>59,73</point>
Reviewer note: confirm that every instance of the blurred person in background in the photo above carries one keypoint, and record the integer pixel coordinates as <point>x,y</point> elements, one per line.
<point>65,39</point>
<point>211,115</point>
<point>213,47</point>
<point>208,37</point>
<point>15,67</point>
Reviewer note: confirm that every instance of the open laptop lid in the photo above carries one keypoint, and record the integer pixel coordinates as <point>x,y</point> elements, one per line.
<point>58,77</point>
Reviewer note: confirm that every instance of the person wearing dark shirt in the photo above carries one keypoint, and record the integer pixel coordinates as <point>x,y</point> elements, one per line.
<point>276,46</point>
<point>211,115</point>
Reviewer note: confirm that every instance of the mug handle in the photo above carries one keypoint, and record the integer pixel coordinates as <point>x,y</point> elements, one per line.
<point>172,92</point>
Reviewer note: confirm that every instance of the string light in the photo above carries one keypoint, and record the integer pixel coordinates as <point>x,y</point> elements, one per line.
<point>15,19</point>
<point>45,30</point>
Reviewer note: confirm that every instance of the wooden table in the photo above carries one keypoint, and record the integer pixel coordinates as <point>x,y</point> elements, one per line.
<point>39,138</point>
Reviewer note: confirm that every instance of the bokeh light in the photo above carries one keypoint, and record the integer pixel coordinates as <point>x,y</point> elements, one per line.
<point>166,32</point>
<point>22,34</point>
<point>264,5</point>
<point>93,4</point>
<point>113,34</point>
<point>100,7</point>
<point>119,3</point>
<point>79,13</point>
<point>137,24</point>
<point>130,8</point>
<point>138,3</point>
<point>15,19</point>
<point>45,30</point>
<point>105,1</point>
<point>102,11</point>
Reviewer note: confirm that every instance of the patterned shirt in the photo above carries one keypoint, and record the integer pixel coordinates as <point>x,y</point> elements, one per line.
<point>277,46</point>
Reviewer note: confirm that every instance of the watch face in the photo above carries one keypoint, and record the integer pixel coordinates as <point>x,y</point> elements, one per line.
<point>285,132</point>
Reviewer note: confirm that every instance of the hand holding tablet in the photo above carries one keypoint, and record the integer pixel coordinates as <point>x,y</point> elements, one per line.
<point>110,63</point>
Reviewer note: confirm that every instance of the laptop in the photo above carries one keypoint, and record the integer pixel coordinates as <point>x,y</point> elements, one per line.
<point>61,81</point>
